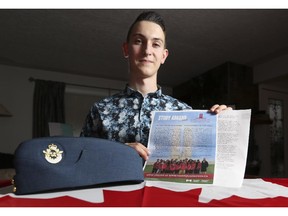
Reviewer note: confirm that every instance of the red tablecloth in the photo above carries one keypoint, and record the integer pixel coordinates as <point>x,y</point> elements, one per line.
<point>151,196</point>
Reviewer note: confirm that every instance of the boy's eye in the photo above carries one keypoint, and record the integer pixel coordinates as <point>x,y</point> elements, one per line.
<point>156,45</point>
<point>138,41</point>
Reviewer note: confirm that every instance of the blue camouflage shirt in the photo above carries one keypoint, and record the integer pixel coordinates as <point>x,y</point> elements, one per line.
<point>126,117</point>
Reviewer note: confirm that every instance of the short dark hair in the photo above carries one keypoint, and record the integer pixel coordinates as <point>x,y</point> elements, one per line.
<point>150,16</point>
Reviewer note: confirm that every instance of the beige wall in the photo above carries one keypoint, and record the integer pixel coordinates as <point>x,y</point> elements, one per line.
<point>16,93</point>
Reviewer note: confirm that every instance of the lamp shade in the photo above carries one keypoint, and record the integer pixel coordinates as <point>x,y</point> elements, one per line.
<point>4,112</point>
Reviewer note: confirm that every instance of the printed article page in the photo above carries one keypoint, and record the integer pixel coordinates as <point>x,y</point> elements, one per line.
<point>198,147</point>
<point>233,130</point>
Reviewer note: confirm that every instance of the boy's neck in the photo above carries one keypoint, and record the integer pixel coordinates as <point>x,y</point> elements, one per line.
<point>144,86</point>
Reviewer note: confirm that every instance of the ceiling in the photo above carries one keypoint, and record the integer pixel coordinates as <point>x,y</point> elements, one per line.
<point>88,41</point>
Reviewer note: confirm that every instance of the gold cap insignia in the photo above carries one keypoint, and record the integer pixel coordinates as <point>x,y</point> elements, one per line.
<point>53,154</point>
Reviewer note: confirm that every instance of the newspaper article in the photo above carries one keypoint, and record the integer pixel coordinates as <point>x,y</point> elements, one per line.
<point>198,147</point>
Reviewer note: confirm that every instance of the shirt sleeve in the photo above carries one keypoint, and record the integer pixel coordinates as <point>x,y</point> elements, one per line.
<point>92,124</point>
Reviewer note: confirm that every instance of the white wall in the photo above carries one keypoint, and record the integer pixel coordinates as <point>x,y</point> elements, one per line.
<point>16,93</point>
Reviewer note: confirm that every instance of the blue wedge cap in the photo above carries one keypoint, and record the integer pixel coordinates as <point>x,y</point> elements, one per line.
<point>66,163</point>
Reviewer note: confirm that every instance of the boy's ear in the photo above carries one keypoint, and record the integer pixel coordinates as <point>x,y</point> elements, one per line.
<point>125,49</point>
<point>165,55</point>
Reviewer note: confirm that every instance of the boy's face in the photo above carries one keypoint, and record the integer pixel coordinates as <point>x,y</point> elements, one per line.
<point>146,49</point>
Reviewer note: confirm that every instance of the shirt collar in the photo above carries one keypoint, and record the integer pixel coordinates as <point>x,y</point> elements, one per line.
<point>129,91</point>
